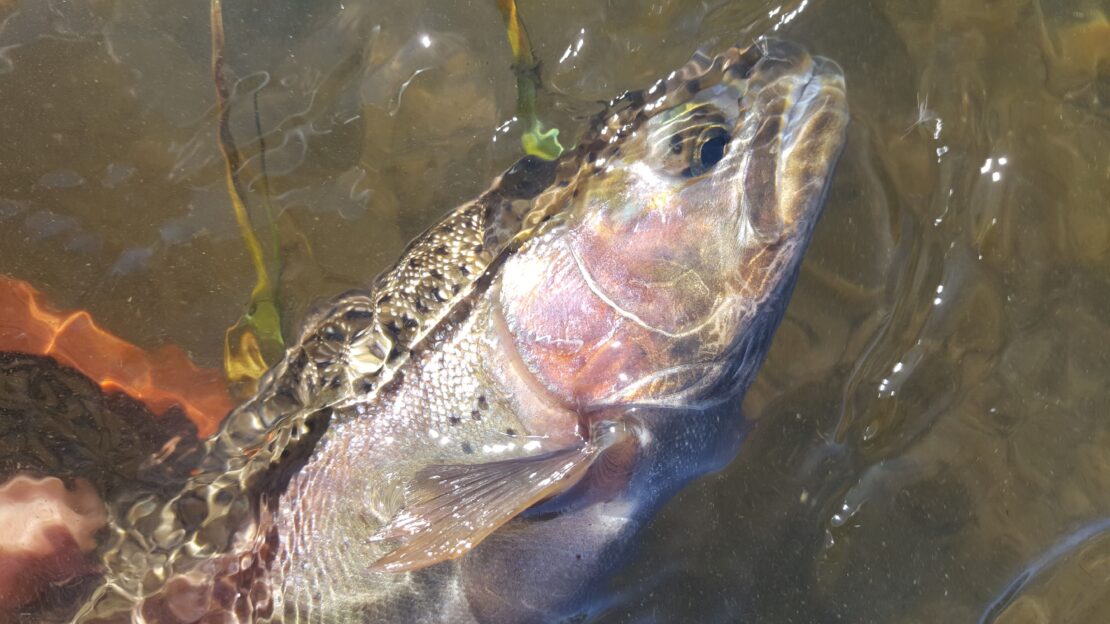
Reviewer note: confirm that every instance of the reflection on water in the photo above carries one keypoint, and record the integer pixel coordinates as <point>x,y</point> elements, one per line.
<point>930,440</point>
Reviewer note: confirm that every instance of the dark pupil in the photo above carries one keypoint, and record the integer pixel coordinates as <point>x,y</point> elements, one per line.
<point>712,151</point>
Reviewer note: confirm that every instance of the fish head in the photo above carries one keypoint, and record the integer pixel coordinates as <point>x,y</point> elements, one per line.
<point>663,283</point>
<point>687,223</point>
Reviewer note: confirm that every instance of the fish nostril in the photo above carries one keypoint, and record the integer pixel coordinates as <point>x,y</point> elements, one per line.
<point>747,60</point>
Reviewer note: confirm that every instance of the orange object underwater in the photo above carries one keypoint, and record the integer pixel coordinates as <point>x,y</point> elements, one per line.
<point>162,379</point>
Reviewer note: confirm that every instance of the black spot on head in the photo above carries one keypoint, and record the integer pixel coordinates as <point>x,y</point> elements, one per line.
<point>454,420</point>
<point>477,248</point>
<point>441,250</point>
<point>355,314</point>
<point>464,270</point>
<point>409,323</point>
<point>483,404</point>
<point>476,415</point>
<point>415,263</point>
<point>510,432</point>
<point>467,448</point>
<point>366,386</point>
<point>527,178</point>
<point>676,143</point>
<point>455,288</point>
<point>436,274</point>
<point>393,329</point>
<point>420,306</point>
<point>386,298</point>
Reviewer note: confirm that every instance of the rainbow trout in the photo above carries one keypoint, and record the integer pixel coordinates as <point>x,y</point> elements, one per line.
<point>478,436</point>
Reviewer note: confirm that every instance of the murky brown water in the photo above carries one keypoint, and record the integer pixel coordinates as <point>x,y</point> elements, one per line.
<point>931,439</point>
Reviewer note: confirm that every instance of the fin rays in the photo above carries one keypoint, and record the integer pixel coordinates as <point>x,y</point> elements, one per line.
<point>452,508</point>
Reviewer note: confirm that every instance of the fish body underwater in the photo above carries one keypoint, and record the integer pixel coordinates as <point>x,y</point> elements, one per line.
<point>479,435</point>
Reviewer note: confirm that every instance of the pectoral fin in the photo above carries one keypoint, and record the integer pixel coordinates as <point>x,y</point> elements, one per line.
<point>451,508</point>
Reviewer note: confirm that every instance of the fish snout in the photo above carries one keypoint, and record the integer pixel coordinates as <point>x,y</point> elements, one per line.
<point>795,115</point>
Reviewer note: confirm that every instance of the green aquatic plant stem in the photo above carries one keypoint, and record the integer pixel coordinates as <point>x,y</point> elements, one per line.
<point>255,340</point>
<point>536,140</point>
<point>271,218</point>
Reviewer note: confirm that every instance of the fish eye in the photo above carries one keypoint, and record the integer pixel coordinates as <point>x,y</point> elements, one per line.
<point>710,150</point>
<point>688,141</point>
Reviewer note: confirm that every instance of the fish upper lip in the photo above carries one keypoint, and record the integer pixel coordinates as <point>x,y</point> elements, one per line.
<point>821,75</point>
<point>797,111</point>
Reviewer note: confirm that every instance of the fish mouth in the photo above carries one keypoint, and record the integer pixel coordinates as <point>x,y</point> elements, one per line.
<point>794,115</point>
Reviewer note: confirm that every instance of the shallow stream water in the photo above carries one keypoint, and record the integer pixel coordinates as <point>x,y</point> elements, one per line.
<point>931,440</point>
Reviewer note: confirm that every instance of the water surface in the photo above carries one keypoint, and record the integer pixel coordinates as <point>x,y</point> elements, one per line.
<point>930,439</point>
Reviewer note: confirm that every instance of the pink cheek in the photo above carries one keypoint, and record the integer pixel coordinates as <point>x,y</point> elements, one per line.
<point>662,268</point>
<point>573,342</point>
<point>557,327</point>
